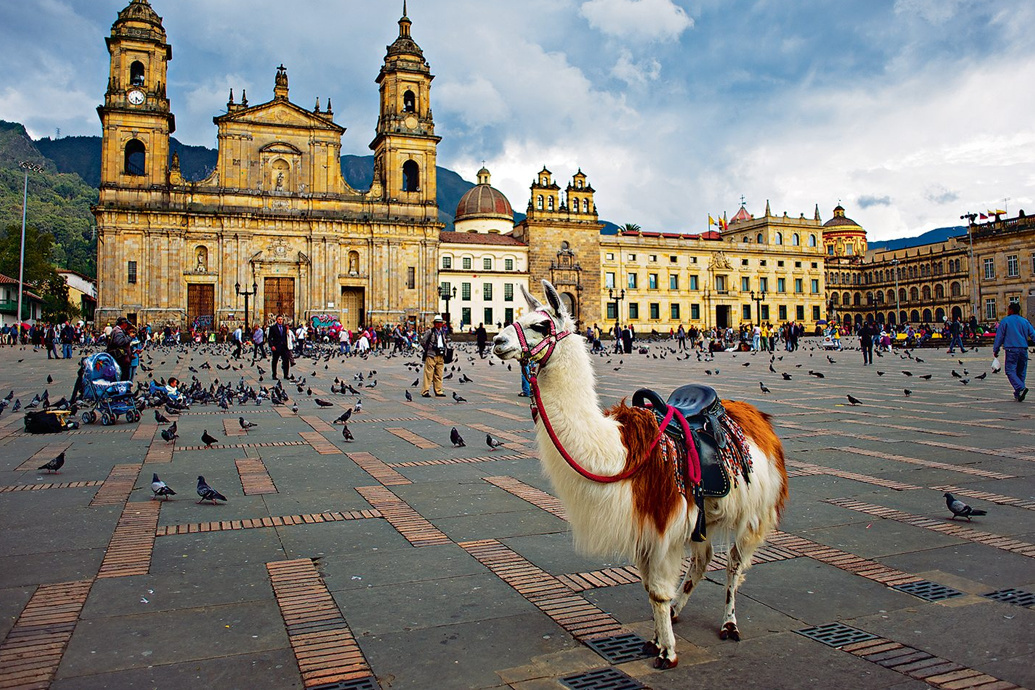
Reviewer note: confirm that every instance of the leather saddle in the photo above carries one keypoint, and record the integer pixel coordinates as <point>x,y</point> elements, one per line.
<point>703,411</point>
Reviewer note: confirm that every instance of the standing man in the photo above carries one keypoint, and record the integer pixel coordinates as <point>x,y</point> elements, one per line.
<point>278,340</point>
<point>67,338</point>
<point>681,337</point>
<point>866,334</point>
<point>259,343</point>
<point>955,333</point>
<point>119,346</point>
<point>238,338</point>
<point>482,338</point>
<point>1013,335</point>
<point>434,343</point>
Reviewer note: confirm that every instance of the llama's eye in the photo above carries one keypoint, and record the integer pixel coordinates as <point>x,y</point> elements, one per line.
<point>542,327</point>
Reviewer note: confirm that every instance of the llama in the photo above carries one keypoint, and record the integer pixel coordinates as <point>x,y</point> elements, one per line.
<point>643,518</point>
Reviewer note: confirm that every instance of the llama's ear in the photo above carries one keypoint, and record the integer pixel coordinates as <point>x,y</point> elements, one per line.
<point>533,303</point>
<point>554,298</point>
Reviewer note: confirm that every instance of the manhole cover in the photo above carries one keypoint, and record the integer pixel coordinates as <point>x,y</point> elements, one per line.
<point>602,679</point>
<point>931,591</point>
<point>365,683</point>
<point>619,648</point>
<point>1018,597</point>
<point>836,634</point>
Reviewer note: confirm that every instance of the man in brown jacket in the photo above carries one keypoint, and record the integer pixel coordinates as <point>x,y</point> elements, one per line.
<point>434,342</point>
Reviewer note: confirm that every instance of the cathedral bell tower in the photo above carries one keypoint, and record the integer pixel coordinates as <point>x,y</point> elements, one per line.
<point>135,117</point>
<point>405,144</point>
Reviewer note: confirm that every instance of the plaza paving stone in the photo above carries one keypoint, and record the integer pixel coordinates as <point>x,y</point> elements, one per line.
<point>403,535</point>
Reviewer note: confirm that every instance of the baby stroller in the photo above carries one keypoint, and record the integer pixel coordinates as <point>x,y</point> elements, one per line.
<point>109,397</point>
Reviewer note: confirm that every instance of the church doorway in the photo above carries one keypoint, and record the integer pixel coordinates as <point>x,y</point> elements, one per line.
<point>722,316</point>
<point>279,299</point>
<point>352,307</point>
<point>570,305</point>
<point>201,305</point>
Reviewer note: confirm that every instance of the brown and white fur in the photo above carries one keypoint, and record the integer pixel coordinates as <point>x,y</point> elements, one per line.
<point>643,518</point>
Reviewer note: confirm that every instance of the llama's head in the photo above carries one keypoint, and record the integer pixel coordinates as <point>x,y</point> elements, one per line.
<point>536,325</point>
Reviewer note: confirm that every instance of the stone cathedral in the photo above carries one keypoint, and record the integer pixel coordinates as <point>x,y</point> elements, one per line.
<point>276,212</point>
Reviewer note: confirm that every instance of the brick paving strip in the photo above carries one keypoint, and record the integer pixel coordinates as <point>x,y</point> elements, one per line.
<point>251,410</point>
<point>115,489</point>
<point>145,431</point>
<point>255,478</point>
<point>458,461</point>
<point>415,439</point>
<point>316,423</point>
<point>844,474</point>
<point>44,455</point>
<point>842,560</point>
<point>320,444</point>
<point>974,471</point>
<point>510,436</point>
<point>260,523</point>
<point>918,664</point>
<point>994,452</point>
<point>409,523</point>
<point>378,469</point>
<point>324,646</point>
<point>39,487</point>
<point>940,525</point>
<point>32,650</point>
<point>1000,499</point>
<point>580,618</point>
<point>129,551</point>
<point>537,497</point>
<point>159,451</point>
<point>266,444</point>
<point>232,427</point>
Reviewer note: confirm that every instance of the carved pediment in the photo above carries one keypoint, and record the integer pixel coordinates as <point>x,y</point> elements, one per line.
<point>276,113</point>
<point>720,261</point>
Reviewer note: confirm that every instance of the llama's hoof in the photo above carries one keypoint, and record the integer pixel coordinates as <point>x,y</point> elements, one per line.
<point>663,664</point>
<point>730,632</point>
<point>651,648</point>
<point>674,616</point>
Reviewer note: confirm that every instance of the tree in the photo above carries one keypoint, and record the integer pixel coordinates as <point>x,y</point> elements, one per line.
<point>40,274</point>
<point>630,227</point>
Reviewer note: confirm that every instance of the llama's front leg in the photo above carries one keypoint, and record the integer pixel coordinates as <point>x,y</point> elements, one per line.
<point>659,575</point>
<point>739,561</point>
<point>701,556</point>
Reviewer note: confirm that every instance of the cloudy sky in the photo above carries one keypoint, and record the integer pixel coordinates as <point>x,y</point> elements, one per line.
<point>909,112</point>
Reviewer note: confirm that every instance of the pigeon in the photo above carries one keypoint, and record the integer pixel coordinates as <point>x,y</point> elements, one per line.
<point>324,403</point>
<point>907,373</point>
<point>880,373</point>
<point>207,439</point>
<point>245,424</point>
<point>346,434</point>
<point>907,391</point>
<point>786,376</point>
<point>207,493</point>
<point>492,443</point>
<point>344,416</point>
<point>458,398</point>
<point>169,435</point>
<point>981,376</point>
<point>817,374</point>
<point>359,406</point>
<point>961,509</point>
<point>409,398</point>
<point>926,377</point>
<point>50,379</point>
<point>764,389</point>
<point>294,407</point>
<point>854,401</point>
<point>54,465</point>
<point>456,438</point>
<point>159,488</point>
<point>955,374</point>
<point>416,382</point>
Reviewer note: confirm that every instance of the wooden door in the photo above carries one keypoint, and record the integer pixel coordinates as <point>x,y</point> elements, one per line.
<point>351,307</point>
<point>279,299</point>
<point>201,305</point>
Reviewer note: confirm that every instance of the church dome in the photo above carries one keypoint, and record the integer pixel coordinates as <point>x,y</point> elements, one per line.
<point>139,11</point>
<point>484,201</point>
<point>840,220</point>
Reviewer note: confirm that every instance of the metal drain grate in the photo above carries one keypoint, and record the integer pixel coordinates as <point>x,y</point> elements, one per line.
<point>619,648</point>
<point>931,591</point>
<point>365,683</point>
<point>601,679</point>
<point>1018,597</point>
<point>836,634</point>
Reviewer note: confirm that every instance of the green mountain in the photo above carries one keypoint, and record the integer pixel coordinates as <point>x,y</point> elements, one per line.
<point>59,201</point>
<point>929,237</point>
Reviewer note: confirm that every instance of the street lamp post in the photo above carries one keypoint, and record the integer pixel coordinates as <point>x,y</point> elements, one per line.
<point>617,299</point>
<point>246,294</point>
<point>27,167</point>
<point>898,304</point>
<point>758,301</point>
<point>443,292</point>
<point>972,272</point>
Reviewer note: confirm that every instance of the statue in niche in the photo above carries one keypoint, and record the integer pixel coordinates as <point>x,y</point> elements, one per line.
<point>279,186</point>
<point>202,260</point>
<point>353,263</point>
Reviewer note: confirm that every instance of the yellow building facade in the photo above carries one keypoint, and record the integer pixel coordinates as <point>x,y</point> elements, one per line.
<point>275,215</point>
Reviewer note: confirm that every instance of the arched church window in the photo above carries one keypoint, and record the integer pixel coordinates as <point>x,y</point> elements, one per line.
<point>812,240</point>
<point>136,73</point>
<point>539,202</point>
<point>574,205</point>
<point>549,203</point>
<point>409,102</point>
<point>136,158</point>
<point>779,238</point>
<point>585,205</point>
<point>758,238</point>
<point>411,176</point>
<point>795,240</point>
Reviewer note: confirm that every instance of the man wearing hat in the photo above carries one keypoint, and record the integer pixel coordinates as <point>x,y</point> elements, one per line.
<point>434,342</point>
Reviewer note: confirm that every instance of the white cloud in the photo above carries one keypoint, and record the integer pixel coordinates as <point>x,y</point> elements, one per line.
<point>476,103</point>
<point>652,20</point>
<point>635,73</point>
<point>934,11</point>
